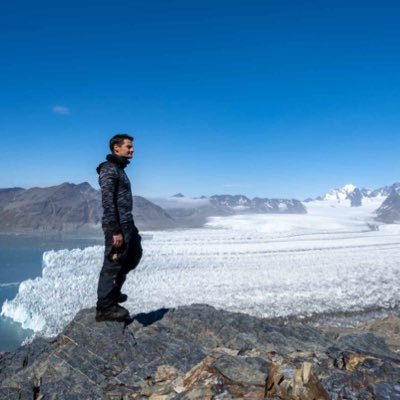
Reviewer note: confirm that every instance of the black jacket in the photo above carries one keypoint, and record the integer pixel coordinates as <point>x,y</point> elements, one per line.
<point>116,193</point>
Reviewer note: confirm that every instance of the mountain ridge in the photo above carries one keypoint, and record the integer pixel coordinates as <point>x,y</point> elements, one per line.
<point>72,207</point>
<point>355,194</point>
<point>69,207</point>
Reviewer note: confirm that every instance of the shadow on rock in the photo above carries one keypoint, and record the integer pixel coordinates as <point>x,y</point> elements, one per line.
<point>147,319</point>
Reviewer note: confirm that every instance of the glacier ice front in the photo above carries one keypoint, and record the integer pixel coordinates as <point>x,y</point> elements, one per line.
<point>45,304</point>
<point>263,265</point>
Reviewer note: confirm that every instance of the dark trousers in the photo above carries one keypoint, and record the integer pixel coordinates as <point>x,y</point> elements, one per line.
<point>114,271</point>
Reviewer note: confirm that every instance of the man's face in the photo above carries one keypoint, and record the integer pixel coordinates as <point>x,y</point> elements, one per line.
<point>125,150</point>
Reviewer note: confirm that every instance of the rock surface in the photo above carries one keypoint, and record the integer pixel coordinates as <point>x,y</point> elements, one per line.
<point>355,197</point>
<point>198,352</point>
<point>389,211</point>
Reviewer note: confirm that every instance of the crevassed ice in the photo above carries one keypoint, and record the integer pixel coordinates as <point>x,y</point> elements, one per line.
<point>264,265</point>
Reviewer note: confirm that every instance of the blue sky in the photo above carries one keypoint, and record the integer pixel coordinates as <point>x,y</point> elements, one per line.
<point>262,98</point>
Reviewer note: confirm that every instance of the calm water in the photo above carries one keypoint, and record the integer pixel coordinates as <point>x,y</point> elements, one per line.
<point>21,259</point>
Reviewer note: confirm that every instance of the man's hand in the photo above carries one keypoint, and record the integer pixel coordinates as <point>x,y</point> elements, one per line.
<point>118,240</point>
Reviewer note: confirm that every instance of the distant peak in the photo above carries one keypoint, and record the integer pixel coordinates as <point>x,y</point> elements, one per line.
<point>340,194</point>
<point>178,195</point>
<point>348,188</point>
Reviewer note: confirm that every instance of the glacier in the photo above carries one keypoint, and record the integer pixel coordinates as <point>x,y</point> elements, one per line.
<point>331,260</point>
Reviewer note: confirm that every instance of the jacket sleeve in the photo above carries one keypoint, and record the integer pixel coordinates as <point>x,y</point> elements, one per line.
<point>108,179</point>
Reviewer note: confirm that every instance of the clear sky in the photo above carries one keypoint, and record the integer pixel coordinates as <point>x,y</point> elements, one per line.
<point>263,98</point>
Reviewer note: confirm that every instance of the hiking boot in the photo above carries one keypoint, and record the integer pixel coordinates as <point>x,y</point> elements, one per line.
<point>114,313</point>
<point>122,298</point>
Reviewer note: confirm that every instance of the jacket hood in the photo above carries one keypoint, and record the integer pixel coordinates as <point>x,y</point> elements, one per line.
<point>121,162</point>
<point>99,167</point>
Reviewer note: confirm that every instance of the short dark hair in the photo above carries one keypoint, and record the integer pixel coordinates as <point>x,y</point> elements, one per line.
<point>118,140</point>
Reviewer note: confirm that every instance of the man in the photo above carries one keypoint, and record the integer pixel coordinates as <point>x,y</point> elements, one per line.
<point>123,249</point>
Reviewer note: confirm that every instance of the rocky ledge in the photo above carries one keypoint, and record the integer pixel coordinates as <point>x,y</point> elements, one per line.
<point>198,352</point>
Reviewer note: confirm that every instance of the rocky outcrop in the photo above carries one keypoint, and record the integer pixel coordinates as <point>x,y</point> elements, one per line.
<point>355,197</point>
<point>389,211</point>
<point>198,352</point>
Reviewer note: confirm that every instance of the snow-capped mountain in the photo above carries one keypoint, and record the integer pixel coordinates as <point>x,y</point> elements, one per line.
<point>237,202</point>
<point>240,203</point>
<point>278,206</point>
<point>354,196</point>
<point>340,194</point>
<point>347,194</point>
